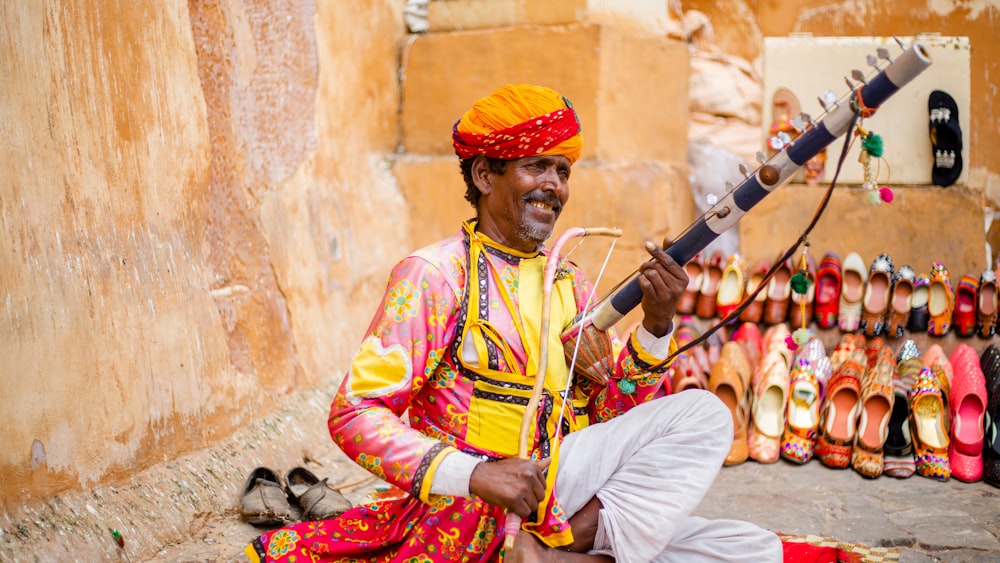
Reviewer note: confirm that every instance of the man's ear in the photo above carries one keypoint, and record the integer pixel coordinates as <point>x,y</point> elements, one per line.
<point>482,176</point>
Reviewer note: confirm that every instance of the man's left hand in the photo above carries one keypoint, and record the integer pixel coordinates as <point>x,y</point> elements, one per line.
<point>663,281</point>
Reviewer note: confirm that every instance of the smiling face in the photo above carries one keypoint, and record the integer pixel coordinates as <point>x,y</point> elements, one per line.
<point>519,208</point>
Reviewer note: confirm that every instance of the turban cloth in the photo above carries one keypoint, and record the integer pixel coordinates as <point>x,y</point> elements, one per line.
<point>517,121</point>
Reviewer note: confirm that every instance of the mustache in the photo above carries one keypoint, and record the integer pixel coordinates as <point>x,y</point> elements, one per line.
<point>546,198</point>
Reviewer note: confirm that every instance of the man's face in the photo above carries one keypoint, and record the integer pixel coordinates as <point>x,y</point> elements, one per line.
<point>519,208</point>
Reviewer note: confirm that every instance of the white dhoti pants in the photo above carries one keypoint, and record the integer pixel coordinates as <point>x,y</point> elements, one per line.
<point>650,468</point>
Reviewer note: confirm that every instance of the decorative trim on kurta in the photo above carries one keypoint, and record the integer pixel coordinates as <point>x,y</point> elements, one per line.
<point>424,475</point>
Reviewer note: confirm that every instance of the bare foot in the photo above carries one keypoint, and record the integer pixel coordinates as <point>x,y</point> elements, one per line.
<point>529,549</point>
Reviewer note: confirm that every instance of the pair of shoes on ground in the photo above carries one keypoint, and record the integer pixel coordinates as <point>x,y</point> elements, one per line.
<point>267,499</point>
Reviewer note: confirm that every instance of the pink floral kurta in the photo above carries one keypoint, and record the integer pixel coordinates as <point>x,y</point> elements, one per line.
<point>459,360</point>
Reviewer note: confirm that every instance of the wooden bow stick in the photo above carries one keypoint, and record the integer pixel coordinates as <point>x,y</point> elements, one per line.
<point>513,521</point>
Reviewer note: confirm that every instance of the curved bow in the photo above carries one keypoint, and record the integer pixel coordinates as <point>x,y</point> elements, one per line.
<point>513,521</point>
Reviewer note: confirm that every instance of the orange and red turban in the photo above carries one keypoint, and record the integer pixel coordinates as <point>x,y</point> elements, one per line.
<point>517,121</point>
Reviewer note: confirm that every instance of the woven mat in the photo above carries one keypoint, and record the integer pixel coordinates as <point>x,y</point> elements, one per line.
<point>817,549</point>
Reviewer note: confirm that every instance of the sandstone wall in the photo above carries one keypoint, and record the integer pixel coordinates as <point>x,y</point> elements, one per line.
<point>193,199</point>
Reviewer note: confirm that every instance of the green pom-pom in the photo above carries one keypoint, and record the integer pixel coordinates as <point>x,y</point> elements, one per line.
<point>801,336</point>
<point>872,144</point>
<point>626,386</point>
<point>800,283</point>
<point>873,197</point>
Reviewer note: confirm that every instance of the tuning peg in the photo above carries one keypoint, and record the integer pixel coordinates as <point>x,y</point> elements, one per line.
<point>807,119</point>
<point>873,62</point>
<point>730,187</point>
<point>859,76</point>
<point>883,54</point>
<point>828,99</point>
<point>798,123</point>
<point>761,157</point>
<point>744,170</point>
<point>898,42</point>
<point>850,85</point>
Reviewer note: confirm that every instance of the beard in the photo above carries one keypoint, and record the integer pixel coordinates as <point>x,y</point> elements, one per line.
<point>536,231</point>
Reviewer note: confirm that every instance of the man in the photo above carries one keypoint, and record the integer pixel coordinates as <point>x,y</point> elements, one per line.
<point>435,394</point>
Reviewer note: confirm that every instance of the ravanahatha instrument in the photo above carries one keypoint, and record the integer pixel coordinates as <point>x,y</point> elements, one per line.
<point>841,116</point>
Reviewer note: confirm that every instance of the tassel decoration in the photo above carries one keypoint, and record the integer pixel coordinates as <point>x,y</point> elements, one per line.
<point>872,147</point>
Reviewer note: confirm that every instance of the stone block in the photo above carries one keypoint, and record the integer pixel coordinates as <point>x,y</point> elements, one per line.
<point>922,225</point>
<point>630,90</point>
<point>456,15</point>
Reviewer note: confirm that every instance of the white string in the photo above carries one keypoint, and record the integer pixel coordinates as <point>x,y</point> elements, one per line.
<point>576,348</point>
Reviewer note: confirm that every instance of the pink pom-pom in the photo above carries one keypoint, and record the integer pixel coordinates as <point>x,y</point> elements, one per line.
<point>885,194</point>
<point>790,342</point>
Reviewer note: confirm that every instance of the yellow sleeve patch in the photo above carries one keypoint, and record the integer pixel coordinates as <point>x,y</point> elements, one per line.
<point>377,371</point>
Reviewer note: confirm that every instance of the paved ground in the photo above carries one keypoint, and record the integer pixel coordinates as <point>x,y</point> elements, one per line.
<point>926,520</point>
<point>184,510</point>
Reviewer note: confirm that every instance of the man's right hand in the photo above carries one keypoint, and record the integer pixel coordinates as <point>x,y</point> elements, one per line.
<point>516,484</point>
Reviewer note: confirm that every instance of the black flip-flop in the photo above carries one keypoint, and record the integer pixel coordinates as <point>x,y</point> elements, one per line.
<point>946,138</point>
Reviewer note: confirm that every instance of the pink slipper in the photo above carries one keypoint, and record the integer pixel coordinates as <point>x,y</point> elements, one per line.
<point>967,406</point>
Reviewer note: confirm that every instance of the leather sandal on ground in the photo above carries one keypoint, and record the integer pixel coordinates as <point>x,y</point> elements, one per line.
<point>875,307</point>
<point>898,459</point>
<point>990,362</point>
<point>730,381</point>
<point>902,301</point>
<point>967,404</point>
<point>827,297</point>
<point>877,401</point>
<point>319,501</point>
<point>919,317</point>
<point>802,420</point>
<point>263,502</point>
<point>841,406</point>
<point>704,306</point>
<point>754,312</point>
<point>694,270</point>
<point>940,301</point>
<point>855,276</point>
<point>779,294</point>
<point>963,318</point>
<point>928,427</point>
<point>987,307</point>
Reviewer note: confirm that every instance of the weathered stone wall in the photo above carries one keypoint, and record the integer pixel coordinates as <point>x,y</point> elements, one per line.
<point>193,199</point>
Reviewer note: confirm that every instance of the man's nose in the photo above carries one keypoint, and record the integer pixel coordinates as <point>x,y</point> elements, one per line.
<point>551,180</point>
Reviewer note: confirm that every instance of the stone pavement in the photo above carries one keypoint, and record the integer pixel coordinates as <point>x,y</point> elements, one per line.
<point>925,519</point>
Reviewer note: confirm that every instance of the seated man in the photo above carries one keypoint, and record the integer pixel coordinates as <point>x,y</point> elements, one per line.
<point>435,394</point>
